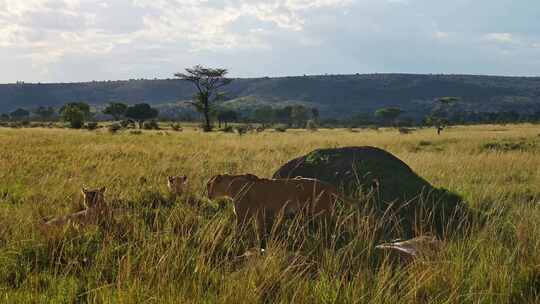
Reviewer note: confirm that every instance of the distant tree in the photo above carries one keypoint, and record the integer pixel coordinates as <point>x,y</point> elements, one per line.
<point>360,119</point>
<point>19,114</point>
<point>440,113</point>
<point>265,115</point>
<point>44,113</point>
<point>388,115</point>
<point>299,115</point>
<point>225,116</point>
<point>75,113</point>
<point>141,112</point>
<point>208,82</point>
<point>448,100</point>
<point>315,114</point>
<point>116,109</point>
<point>82,106</point>
<point>4,117</point>
<point>284,115</point>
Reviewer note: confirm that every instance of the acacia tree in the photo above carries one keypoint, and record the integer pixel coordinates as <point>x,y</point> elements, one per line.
<point>439,116</point>
<point>75,113</point>
<point>208,82</point>
<point>116,110</point>
<point>388,115</point>
<point>141,112</point>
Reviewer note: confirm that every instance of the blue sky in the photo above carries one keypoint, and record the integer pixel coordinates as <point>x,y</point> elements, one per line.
<point>81,40</point>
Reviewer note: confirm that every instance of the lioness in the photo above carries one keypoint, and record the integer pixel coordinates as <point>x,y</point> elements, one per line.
<point>177,184</point>
<point>253,196</point>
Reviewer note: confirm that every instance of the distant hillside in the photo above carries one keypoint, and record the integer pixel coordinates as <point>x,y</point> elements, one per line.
<point>336,96</point>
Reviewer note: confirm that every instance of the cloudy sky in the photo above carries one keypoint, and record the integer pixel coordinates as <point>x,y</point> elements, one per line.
<point>79,40</point>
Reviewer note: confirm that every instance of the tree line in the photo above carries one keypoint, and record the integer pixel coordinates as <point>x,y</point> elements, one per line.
<point>210,84</point>
<point>77,113</point>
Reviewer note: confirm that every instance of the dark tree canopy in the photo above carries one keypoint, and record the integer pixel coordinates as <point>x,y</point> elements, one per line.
<point>299,115</point>
<point>264,114</point>
<point>448,100</point>
<point>116,109</point>
<point>81,106</point>
<point>388,115</point>
<point>141,112</point>
<point>315,113</point>
<point>44,112</point>
<point>19,114</point>
<point>208,82</point>
<point>226,116</point>
<point>75,113</point>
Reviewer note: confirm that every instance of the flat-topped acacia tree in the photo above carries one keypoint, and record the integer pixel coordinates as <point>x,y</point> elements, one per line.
<point>208,82</point>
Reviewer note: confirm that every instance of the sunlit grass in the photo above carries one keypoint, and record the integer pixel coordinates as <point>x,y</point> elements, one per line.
<point>158,249</point>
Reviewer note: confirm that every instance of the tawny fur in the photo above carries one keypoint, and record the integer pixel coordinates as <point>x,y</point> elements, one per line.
<point>177,184</point>
<point>253,197</point>
<point>94,209</point>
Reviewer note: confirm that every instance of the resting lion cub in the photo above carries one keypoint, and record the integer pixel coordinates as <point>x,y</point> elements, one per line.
<point>94,208</point>
<point>253,196</point>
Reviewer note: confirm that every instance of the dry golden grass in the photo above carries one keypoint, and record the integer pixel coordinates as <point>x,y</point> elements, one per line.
<point>187,250</point>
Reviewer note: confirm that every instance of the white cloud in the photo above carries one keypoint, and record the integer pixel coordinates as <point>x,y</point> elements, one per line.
<point>319,36</point>
<point>441,35</point>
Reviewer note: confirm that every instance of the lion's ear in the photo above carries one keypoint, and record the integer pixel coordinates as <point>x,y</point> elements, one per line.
<point>102,189</point>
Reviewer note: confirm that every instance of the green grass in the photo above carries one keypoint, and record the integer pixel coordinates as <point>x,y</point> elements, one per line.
<point>186,250</point>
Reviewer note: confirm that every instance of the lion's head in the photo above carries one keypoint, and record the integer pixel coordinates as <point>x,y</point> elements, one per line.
<point>93,198</point>
<point>220,185</point>
<point>177,184</point>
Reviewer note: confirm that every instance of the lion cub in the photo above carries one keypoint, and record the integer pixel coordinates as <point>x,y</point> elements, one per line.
<point>94,207</point>
<point>93,198</point>
<point>177,184</point>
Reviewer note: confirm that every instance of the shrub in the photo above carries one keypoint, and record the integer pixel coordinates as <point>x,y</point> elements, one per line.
<point>176,127</point>
<point>113,128</point>
<point>92,125</point>
<point>280,128</point>
<point>260,129</point>
<point>135,132</point>
<point>150,125</point>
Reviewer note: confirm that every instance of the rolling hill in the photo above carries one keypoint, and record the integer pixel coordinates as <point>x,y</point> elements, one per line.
<point>336,96</point>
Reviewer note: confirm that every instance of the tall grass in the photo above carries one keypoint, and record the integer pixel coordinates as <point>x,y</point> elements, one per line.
<point>156,248</point>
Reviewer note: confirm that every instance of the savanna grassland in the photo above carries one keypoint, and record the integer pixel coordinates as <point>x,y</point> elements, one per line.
<point>186,250</point>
